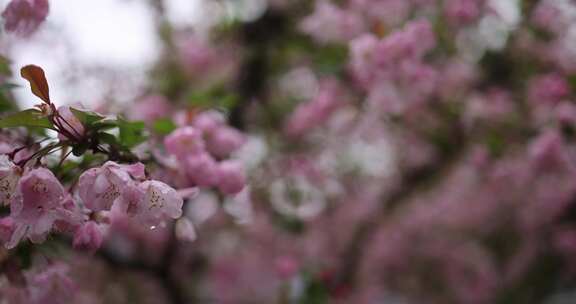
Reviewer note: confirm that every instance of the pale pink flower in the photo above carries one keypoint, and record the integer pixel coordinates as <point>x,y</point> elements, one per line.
<point>131,200</point>
<point>208,121</point>
<point>201,169</point>
<point>51,286</point>
<point>461,12</point>
<point>362,51</point>
<point>313,113</point>
<point>184,141</point>
<point>9,176</point>
<point>231,178</point>
<point>88,237</point>
<point>70,123</point>
<point>25,16</point>
<point>38,203</point>
<point>224,140</point>
<point>161,202</point>
<point>99,187</point>
<point>411,42</point>
<point>197,56</point>
<point>329,23</point>
<point>548,89</point>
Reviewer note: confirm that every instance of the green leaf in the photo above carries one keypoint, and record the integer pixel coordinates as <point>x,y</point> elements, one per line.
<point>5,66</point>
<point>105,124</point>
<point>108,139</point>
<point>164,126</point>
<point>87,118</point>
<point>131,133</point>
<point>26,118</point>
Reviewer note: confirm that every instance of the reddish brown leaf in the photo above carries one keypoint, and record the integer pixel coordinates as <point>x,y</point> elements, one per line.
<point>35,75</point>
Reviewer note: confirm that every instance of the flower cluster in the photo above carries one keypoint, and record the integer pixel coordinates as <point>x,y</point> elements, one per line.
<point>40,204</point>
<point>201,150</point>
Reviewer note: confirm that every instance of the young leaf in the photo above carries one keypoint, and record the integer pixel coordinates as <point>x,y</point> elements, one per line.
<point>87,118</point>
<point>131,133</point>
<point>164,126</point>
<point>104,124</point>
<point>26,118</point>
<point>108,139</point>
<point>35,75</point>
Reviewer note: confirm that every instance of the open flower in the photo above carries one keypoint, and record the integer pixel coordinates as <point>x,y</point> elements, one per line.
<point>88,237</point>
<point>160,203</point>
<point>9,176</point>
<point>37,204</point>
<point>100,187</point>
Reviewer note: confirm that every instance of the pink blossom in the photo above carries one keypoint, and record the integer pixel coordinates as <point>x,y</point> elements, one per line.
<point>410,42</point>
<point>549,16</point>
<point>9,176</point>
<point>330,23</point>
<point>131,200</point>
<point>184,141</point>
<point>51,286</point>
<point>208,121</point>
<point>461,12</point>
<point>70,124</point>
<point>566,113</point>
<point>99,187</point>
<point>231,178</point>
<point>201,169</point>
<point>548,89</point>
<point>88,237</point>
<point>311,114</point>
<point>224,140</point>
<point>161,202</point>
<point>197,56</point>
<point>362,58</point>
<point>390,12</point>
<point>548,151</point>
<point>38,203</point>
<point>25,16</point>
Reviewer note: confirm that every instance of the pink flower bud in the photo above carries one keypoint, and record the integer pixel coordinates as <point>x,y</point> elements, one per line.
<point>184,141</point>
<point>69,123</point>
<point>208,121</point>
<point>201,169</point>
<point>223,141</point>
<point>88,237</point>
<point>231,177</point>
